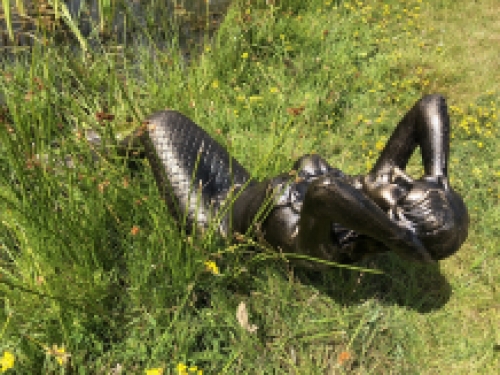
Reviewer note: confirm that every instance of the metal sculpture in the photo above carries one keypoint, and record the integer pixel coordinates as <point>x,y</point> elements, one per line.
<point>319,211</point>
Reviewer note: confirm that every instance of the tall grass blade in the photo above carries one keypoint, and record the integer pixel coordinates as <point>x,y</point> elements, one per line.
<point>20,7</point>
<point>8,21</point>
<point>70,22</point>
<point>105,14</point>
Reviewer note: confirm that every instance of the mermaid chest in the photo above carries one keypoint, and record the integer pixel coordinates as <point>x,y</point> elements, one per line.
<point>282,223</point>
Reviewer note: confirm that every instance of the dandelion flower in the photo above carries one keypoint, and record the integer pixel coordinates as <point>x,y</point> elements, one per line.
<point>244,55</point>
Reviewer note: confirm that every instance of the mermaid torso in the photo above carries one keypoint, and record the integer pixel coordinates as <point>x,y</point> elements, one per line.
<point>280,224</point>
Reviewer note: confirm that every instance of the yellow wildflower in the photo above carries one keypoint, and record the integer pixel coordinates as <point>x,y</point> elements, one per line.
<point>244,55</point>
<point>155,371</point>
<point>215,84</point>
<point>211,266</point>
<point>477,172</point>
<point>182,369</point>
<point>7,361</point>
<point>255,98</point>
<point>194,369</point>
<point>60,354</point>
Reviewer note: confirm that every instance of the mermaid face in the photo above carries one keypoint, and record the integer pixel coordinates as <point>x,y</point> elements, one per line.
<point>437,214</point>
<point>428,207</point>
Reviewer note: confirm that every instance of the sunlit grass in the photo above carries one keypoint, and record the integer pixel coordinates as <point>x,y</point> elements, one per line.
<point>95,277</point>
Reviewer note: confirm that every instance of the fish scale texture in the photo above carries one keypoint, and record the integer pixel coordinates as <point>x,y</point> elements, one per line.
<point>196,172</point>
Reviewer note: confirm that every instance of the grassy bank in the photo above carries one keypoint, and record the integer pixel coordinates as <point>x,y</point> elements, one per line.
<point>91,263</point>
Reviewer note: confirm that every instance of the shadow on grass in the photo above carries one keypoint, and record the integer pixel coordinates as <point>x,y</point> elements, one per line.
<point>422,288</point>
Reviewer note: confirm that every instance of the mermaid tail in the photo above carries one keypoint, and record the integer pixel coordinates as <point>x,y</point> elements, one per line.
<point>193,172</point>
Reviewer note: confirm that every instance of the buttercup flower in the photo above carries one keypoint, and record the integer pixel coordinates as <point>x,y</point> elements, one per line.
<point>379,145</point>
<point>211,266</point>
<point>154,371</point>
<point>6,361</point>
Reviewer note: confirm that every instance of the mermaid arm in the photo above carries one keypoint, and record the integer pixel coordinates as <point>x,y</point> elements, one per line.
<point>427,125</point>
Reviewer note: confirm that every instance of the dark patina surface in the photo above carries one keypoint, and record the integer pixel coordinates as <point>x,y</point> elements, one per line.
<point>318,210</point>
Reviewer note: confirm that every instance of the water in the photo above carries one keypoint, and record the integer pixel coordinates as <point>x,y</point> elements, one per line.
<point>192,19</point>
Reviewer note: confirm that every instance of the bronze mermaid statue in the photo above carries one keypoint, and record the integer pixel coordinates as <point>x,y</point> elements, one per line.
<point>318,210</point>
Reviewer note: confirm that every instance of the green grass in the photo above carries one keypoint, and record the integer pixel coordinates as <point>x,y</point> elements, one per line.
<point>90,260</point>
